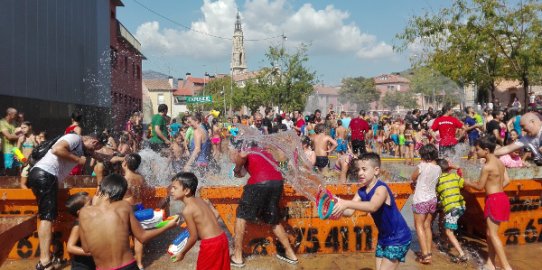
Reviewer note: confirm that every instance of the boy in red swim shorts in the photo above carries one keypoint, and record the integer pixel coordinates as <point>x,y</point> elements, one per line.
<point>493,179</point>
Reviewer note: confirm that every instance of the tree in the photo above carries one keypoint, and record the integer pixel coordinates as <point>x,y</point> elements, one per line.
<point>437,88</point>
<point>218,89</point>
<point>288,82</point>
<point>360,91</point>
<point>480,41</point>
<point>395,99</point>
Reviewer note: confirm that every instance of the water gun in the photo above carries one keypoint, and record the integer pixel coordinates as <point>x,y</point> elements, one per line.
<point>166,221</point>
<point>150,218</point>
<point>17,152</point>
<point>179,242</point>
<point>325,201</point>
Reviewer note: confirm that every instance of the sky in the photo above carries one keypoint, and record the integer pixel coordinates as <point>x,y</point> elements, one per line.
<point>347,38</point>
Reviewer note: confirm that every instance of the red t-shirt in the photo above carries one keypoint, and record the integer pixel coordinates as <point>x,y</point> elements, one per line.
<point>447,126</point>
<point>358,127</point>
<point>260,169</point>
<point>299,124</point>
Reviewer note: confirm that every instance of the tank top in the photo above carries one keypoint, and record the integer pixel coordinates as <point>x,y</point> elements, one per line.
<point>205,151</point>
<point>392,227</point>
<point>70,129</point>
<point>260,169</point>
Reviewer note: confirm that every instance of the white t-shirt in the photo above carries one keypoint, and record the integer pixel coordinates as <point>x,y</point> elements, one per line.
<point>289,124</point>
<point>61,167</point>
<point>427,182</point>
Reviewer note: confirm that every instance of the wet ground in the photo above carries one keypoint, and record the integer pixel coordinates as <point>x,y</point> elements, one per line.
<point>525,257</point>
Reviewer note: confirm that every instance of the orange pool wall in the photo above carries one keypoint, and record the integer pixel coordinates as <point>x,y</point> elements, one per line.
<point>308,233</point>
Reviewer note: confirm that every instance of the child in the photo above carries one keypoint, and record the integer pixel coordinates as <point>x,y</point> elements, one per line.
<point>424,204</point>
<point>452,204</point>
<point>493,179</point>
<point>202,224</point>
<point>133,195</point>
<point>106,225</point>
<point>376,198</point>
<point>26,144</point>
<point>80,260</point>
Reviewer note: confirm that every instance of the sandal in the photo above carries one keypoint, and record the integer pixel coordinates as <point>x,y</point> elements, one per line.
<point>236,264</point>
<point>459,259</point>
<point>286,259</point>
<point>40,266</point>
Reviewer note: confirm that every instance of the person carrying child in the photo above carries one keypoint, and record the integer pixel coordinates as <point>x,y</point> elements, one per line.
<point>376,197</point>
<point>80,260</point>
<point>452,204</point>
<point>106,226</point>
<point>202,224</point>
<point>493,179</point>
<point>424,204</point>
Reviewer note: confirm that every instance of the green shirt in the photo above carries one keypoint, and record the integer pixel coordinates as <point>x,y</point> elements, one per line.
<point>7,145</point>
<point>189,134</point>
<point>158,120</point>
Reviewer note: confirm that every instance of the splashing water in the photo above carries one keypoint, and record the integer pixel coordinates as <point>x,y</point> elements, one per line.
<point>286,148</point>
<point>156,169</point>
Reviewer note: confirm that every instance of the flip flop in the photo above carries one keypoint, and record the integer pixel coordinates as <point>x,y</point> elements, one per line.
<point>236,264</point>
<point>286,259</point>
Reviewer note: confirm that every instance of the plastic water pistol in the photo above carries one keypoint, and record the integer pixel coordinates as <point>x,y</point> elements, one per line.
<point>17,152</point>
<point>153,218</point>
<point>179,242</point>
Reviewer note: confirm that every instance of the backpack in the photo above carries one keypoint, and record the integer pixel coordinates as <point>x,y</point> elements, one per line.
<point>41,150</point>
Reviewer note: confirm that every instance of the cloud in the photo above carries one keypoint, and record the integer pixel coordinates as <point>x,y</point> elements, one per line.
<point>328,31</point>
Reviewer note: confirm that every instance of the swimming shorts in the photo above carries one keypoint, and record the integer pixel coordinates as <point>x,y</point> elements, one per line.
<point>321,162</point>
<point>392,253</point>
<point>358,147</point>
<point>497,207</point>
<point>341,146</point>
<point>215,140</point>
<point>132,265</point>
<point>395,138</point>
<point>45,187</point>
<point>261,202</point>
<point>10,162</point>
<point>423,208</point>
<point>214,253</point>
<point>401,139</point>
<point>451,218</point>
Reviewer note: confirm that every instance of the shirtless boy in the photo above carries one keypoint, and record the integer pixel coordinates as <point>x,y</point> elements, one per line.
<point>341,133</point>
<point>202,224</point>
<point>493,179</point>
<point>133,195</point>
<point>106,225</point>
<point>323,145</point>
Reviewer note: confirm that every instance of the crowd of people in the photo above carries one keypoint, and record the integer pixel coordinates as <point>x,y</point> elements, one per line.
<point>195,142</point>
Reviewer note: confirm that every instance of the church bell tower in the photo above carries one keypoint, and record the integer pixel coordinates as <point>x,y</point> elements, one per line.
<point>238,64</point>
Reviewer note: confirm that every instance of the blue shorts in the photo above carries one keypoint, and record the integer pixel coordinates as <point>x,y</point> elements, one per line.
<point>10,162</point>
<point>451,218</point>
<point>341,146</point>
<point>392,253</point>
<point>395,138</point>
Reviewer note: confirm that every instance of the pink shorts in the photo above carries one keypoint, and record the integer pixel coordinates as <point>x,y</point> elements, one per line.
<point>497,207</point>
<point>423,208</point>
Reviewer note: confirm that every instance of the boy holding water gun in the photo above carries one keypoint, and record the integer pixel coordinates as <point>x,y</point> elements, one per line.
<point>202,224</point>
<point>375,197</point>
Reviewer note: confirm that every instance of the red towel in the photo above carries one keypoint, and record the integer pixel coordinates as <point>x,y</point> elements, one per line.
<point>497,207</point>
<point>214,253</point>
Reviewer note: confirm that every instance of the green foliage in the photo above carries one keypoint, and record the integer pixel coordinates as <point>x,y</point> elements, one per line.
<point>219,89</point>
<point>395,99</point>
<point>431,85</point>
<point>479,41</point>
<point>360,91</point>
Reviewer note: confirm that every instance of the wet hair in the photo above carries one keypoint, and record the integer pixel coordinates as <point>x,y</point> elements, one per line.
<point>76,201</point>
<point>443,164</point>
<point>133,161</point>
<point>306,140</point>
<point>339,122</point>
<point>187,180</point>
<point>113,186</point>
<point>197,116</point>
<point>373,158</point>
<point>429,152</point>
<point>27,123</point>
<point>162,108</point>
<point>319,128</point>
<point>77,116</point>
<point>496,112</point>
<point>487,142</point>
<point>446,108</point>
<point>362,113</point>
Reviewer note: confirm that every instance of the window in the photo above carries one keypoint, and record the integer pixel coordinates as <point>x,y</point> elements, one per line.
<point>133,70</point>
<point>138,72</point>
<point>391,87</point>
<point>161,99</point>
<point>125,64</point>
